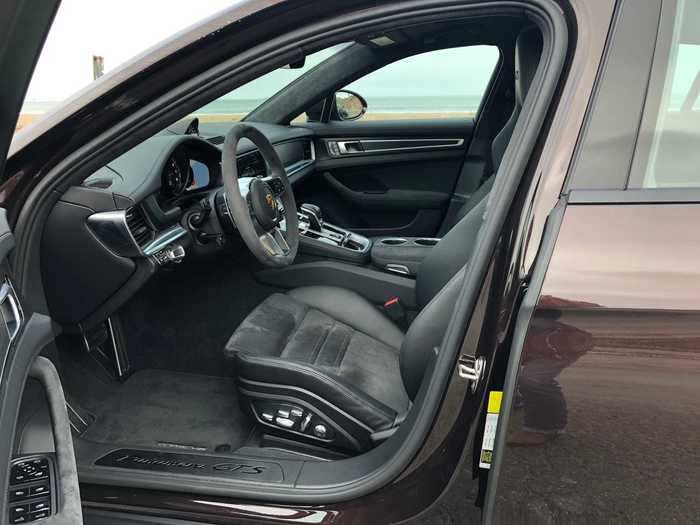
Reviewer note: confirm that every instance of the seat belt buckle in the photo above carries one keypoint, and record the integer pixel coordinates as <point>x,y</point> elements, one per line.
<point>395,310</point>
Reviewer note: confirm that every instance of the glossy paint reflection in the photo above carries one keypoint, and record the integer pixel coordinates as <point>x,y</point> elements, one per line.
<point>610,372</point>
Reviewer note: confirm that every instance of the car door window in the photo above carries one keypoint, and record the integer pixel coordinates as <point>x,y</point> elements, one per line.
<point>448,83</point>
<point>667,154</point>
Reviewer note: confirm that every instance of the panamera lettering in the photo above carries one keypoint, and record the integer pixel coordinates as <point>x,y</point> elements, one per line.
<point>159,462</point>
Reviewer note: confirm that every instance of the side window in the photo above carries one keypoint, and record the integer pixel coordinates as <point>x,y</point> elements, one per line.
<point>448,83</point>
<point>668,150</point>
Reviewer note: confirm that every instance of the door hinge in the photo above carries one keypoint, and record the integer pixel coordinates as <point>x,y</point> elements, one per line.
<point>472,369</point>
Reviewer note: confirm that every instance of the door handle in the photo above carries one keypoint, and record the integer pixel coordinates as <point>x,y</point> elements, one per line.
<point>350,146</point>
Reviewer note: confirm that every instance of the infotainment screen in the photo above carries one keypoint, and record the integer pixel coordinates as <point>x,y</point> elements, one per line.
<point>200,177</point>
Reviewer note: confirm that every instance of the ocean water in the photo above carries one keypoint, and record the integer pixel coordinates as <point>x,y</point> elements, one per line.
<point>375,104</point>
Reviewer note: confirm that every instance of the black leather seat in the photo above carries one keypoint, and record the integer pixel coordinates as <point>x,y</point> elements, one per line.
<point>323,364</point>
<point>528,49</point>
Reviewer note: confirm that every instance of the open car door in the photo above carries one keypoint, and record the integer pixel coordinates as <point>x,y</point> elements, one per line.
<point>38,479</point>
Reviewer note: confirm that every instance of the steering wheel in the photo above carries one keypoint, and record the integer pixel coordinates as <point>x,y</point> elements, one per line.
<point>262,208</point>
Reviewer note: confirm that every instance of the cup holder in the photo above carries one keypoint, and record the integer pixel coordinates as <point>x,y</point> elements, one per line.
<point>426,241</point>
<point>394,241</point>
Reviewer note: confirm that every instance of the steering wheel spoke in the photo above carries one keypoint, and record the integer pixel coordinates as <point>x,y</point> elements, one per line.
<point>274,242</point>
<point>275,184</point>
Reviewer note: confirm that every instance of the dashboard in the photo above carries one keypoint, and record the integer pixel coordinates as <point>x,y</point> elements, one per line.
<point>107,236</point>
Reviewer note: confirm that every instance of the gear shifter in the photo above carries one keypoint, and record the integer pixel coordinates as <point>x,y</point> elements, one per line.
<point>313,214</point>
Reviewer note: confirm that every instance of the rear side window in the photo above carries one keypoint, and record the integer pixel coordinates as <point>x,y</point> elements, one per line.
<point>448,83</point>
<point>668,149</point>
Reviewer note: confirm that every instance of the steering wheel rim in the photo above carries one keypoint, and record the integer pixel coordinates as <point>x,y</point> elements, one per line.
<point>253,203</point>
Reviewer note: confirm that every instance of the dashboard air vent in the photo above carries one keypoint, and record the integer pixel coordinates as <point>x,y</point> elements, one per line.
<point>137,225</point>
<point>216,140</point>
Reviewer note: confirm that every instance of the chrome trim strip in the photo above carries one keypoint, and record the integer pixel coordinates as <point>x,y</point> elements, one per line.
<point>112,229</point>
<point>163,239</point>
<point>120,371</point>
<point>453,143</point>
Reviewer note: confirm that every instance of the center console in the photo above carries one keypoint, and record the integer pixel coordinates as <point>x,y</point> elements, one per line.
<point>320,238</point>
<point>377,269</point>
<point>401,255</point>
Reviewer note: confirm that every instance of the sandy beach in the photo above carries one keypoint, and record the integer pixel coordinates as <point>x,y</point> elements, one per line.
<point>27,118</point>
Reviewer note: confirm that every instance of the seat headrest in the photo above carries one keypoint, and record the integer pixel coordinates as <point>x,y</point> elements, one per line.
<point>528,48</point>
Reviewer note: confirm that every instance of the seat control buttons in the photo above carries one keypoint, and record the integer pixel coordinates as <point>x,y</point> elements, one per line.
<point>267,417</point>
<point>283,413</point>
<point>284,422</point>
<point>320,431</point>
<point>296,412</point>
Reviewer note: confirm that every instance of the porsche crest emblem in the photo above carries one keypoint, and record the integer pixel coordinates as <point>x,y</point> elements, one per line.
<point>271,201</point>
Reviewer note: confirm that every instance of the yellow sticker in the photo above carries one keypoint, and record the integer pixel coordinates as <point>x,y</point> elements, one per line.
<point>494,406</point>
<point>489,439</point>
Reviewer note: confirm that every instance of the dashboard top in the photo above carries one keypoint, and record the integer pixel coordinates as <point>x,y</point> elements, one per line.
<point>141,171</point>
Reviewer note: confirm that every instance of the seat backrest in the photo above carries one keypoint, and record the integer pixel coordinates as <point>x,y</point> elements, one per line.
<point>438,280</point>
<point>528,48</point>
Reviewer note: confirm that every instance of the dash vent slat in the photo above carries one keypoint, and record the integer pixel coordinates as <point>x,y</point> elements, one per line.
<point>136,222</point>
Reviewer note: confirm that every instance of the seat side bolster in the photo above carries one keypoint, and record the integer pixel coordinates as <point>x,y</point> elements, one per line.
<point>329,388</point>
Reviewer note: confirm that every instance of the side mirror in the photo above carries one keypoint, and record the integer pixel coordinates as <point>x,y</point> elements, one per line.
<point>349,105</point>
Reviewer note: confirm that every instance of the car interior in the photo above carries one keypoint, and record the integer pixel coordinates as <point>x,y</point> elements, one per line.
<point>273,288</point>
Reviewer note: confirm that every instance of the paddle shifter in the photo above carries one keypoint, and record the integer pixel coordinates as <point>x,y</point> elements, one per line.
<point>313,214</point>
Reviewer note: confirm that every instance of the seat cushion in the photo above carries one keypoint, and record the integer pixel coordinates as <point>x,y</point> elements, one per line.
<point>329,341</point>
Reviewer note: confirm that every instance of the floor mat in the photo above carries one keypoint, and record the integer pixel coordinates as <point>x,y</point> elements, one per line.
<point>173,410</point>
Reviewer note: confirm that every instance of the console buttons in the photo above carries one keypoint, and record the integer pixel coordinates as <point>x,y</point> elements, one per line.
<point>19,509</point>
<point>40,505</point>
<point>39,515</point>
<point>320,431</point>
<point>284,422</point>
<point>31,501</point>
<point>18,494</point>
<point>39,490</point>
<point>29,471</point>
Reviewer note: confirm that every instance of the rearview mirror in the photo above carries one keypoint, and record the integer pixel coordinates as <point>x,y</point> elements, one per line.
<point>349,105</point>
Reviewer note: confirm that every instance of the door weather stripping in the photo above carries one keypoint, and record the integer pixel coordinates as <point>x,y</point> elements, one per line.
<point>472,369</point>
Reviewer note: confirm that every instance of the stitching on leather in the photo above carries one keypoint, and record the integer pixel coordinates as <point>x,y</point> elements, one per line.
<point>319,344</point>
<point>352,325</point>
<point>295,329</point>
<point>343,349</point>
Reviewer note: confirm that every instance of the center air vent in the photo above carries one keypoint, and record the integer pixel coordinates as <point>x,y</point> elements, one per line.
<point>138,227</point>
<point>216,140</point>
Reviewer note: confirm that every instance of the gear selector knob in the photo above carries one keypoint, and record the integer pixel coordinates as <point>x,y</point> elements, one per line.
<point>313,213</point>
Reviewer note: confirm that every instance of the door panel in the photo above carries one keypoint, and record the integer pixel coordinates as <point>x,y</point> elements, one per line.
<point>610,369</point>
<point>387,177</point>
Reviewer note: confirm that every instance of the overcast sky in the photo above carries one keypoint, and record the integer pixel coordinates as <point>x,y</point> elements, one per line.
<point>116,30</point>
<point>120,30</point>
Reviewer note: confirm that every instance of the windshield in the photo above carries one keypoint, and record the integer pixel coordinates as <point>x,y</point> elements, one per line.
<point>238,103</point>
<point>89,38</point>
